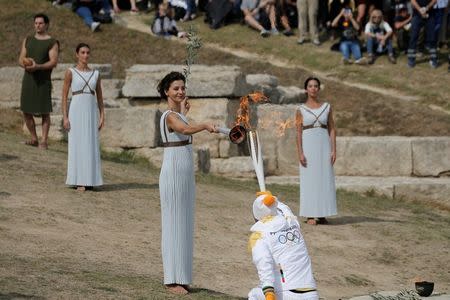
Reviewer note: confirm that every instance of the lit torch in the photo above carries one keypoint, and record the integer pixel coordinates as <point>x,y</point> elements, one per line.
<point>243,129</point>
<point>254,145</point>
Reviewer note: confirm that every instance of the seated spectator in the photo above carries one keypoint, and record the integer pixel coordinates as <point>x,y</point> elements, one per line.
<point>379,37</point>
<point>132,3</point>
<point>287,15</point>
<point>402,25</point>
<point>164,25</point>
<point>222,12</point>
<point>191,11</point>
<point>180,9</point>
<point>349,43</point>
<point>86,9</point>
<point>334,9</point>
<point>260,15</point>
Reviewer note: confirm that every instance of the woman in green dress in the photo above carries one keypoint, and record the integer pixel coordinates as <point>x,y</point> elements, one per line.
<point>38,56</point>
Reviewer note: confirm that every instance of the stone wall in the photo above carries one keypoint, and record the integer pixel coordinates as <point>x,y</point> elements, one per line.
<point>133,109</point>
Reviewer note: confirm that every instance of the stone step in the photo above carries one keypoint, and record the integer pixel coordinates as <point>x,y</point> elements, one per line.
<point>415,188</point>
<point>205,81</point>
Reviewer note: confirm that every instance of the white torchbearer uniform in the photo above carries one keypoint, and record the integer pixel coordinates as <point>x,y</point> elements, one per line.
<point>281,258</point>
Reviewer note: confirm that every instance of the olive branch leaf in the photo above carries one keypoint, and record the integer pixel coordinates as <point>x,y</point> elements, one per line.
<point>193,45</point>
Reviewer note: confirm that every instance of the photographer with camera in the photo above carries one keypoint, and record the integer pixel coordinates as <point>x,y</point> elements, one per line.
<point>349,43</point>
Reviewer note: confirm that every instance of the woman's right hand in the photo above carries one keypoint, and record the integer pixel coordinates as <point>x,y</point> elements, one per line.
<point>211,128</point>
<point>66,124</point>
<point>302,159</point>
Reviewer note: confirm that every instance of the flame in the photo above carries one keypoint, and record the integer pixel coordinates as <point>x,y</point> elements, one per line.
<point>277,122</point>
<point>243,113</point>
<point>282,126</point>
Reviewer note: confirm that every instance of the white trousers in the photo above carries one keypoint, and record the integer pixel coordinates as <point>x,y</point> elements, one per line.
<point>257,294</point>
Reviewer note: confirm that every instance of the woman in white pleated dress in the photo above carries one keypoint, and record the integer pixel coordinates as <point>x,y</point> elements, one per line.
<point>83,122</point>
<point>177,184</point>
<point>316,145</point>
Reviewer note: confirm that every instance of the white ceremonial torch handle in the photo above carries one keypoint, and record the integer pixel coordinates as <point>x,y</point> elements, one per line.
<point>223,130</point>
<point>257,160</point>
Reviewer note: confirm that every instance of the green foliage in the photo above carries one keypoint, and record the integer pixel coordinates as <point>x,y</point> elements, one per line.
<point>193,45</point>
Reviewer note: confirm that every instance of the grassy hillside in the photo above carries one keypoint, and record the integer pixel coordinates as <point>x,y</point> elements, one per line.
<point>358,112</point>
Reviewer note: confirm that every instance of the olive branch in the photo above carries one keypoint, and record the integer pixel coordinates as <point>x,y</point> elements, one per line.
<point>193,45</point>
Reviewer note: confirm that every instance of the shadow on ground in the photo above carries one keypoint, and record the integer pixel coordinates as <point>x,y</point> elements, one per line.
<point>17,296</point>
<point>126,186</point>
<point>358,219</point>
<point>211,293</point>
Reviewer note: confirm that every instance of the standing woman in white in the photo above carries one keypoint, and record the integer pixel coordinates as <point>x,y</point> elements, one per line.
<point>316,145</point>
<point>177,184</point>
<point>83,121</point>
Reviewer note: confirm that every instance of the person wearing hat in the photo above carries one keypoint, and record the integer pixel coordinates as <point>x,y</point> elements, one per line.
<point>279,253</point>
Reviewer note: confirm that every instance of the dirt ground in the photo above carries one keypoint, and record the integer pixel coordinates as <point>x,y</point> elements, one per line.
<point>60,243</point>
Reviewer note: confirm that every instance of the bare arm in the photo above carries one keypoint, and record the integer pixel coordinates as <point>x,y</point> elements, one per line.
<point>415,5</point>
<point>53,58</point>
<point>23,53</point>
<point>176,124</point>
<point>354,23</point>
<point>427,7</point>
<point>50,64</point>
<point>399,25</point>
<point>299,124</point>
<point>185,106</point>
<point>388,34</point>
<point>332,133</point>
<point>336,20</point>
<point>101,107</point>
<point>65,94</point>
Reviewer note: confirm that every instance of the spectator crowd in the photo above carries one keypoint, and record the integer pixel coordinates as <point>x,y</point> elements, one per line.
<point>377,27</point>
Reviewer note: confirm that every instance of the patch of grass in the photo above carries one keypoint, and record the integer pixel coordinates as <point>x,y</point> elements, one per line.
<point>127,157</point>
<point>382,74</point>
<point>10,120</point>
<point>240,185</point>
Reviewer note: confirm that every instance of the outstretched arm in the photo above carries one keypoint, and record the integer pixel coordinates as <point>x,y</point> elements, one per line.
<point>176,124</point>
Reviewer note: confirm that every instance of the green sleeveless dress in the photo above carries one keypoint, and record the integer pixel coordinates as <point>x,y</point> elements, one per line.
<point>36,96</point>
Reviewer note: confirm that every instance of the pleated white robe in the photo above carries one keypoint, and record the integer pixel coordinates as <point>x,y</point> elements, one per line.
<point>317,183</point>
<point>177,194</point>
<point>83,162</point>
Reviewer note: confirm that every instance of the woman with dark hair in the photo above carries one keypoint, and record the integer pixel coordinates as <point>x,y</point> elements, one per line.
<point>316,145</point>
<point>83,122</point>
<point>177,184</point>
